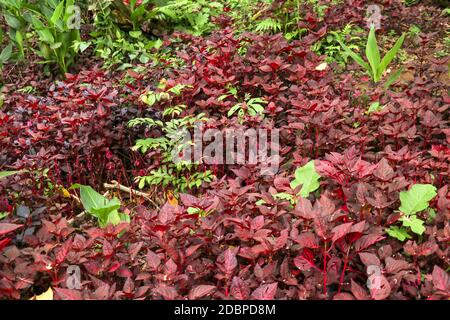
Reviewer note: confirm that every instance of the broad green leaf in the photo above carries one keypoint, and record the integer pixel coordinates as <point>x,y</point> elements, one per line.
<point>104,211</point>
<point>6,53</point>
<point>46,35</point>
<point>91,198</point>
<point>373,53</point>
<point>12,21</point>
<point>417,198</point>
<point>389,56</point>
<point>414,223</point>
<point>308,177</point>
<point>398,233</point>
<point>57,13</point>
<point>113,218</point>
<point>375,107</point>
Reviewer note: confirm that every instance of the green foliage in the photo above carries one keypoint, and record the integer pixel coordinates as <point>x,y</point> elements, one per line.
<point>376,66</point>
<point>417,198</point>
<point>268,25</point>
<point>177,173</point>
<point>124,50</point>
<point>308,178</point>
<point>192,16</point>
<point>51,21</point>
<point>252,107</point>
<point>413,201</point>
<point>106,211</point>
<point>330,46</point>
<point>375,107</point>
<point>4,174</point>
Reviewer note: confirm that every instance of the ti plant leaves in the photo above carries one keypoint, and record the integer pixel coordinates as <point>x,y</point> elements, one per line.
<point>105,210</point>
<point>377,65</point>
<point>413,201</point>
<point>308,177</point>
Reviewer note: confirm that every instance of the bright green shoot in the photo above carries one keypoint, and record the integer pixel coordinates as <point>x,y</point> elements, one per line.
<point>376,66</point>
<point>413,201</point>
<point>106,211</point>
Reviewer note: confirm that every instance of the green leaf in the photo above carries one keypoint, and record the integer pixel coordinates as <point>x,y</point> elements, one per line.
<point>373,53</point>
<point>6,53</point>
<point>260,202</point>
<point>57,13</point>
<point>398,233</point>
<point>393,78</point>
<point>46,35</point>
<point>113,218</point>
<point>135,34</point>
<point>308,177</point>
<point>4,174</point>
<point>375,107</point>
<point>390,55</point>
<point>417,198</point>
<point>354,56</point>
<point>12,21</point>
<point>414,223</point>
<point>233,109</point>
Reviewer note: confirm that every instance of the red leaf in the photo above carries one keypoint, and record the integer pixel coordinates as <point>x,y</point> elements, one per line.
<point>153,260</point>
<point>230,261</point>
<point>358,291</point>
<point>167,292</point>
<point>265,292</point>
<point>265,68</point>
<point>239,289</point>
<point>4,243</point>
<point>307,240</point>
<point>201,291</point>
<point>343,296</point>
<point>441,279</point>
<point>369,259</point>
<point>394,266</point>
<point>8,227</point>
<point>366,241</point>
<point>380,287</point>
<point>67,294</point>
<point>341,231</point>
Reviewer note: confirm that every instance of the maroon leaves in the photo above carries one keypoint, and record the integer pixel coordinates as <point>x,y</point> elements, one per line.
<point>441,280</point>
<point>153,260</point>
<point>369,259</point>
<point>201,291</point>
<point>6,228</point>
<point>265,292</point>
<point>239,289</point>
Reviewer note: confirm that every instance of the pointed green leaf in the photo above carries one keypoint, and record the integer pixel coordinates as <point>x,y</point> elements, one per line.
<point>389,56</point>
<point>4,174</point>
<point>373,53</point>
<point>57,13</point>
<point>308,177</point>
<point>354,56</point>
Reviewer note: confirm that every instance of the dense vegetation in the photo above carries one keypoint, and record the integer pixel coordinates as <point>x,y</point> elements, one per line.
<point>92,93</point>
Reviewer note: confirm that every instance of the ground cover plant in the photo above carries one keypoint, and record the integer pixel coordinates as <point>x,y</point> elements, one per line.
<point>97,100</point>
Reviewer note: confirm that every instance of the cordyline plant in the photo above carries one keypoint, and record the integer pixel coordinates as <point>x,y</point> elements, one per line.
<point>376,65</point>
